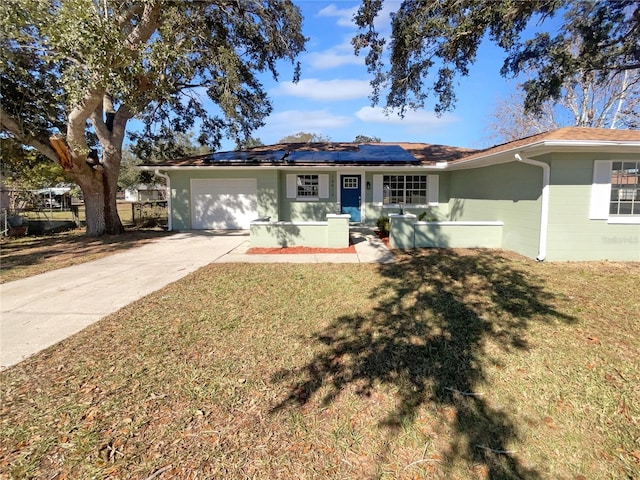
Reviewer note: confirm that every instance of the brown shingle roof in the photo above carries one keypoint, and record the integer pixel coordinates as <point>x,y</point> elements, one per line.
<point>426,153</point>
<point>566,134</point>
<point>430,154</point>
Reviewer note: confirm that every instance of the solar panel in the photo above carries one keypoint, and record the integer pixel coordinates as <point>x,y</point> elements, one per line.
<point>369,154</point>
<point>263,156</point>
<point>364,154</point>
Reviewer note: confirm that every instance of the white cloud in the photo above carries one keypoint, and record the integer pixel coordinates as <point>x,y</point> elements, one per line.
<point>291,121</point>
<point>421,118</point>
<point>336,56</point>
<point>333,59</point>
<point>344,15</point>
<point>343,54</point>
<point>382,21</point>
<point>325,90</point>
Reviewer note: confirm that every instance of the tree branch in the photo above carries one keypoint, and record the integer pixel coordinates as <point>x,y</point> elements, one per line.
<point>122,116</point>
<point>97,121</point>
<point>145,28</point>
<point>9,124</point>
<point>125,18</point>
<point>620,100</point>
<point>76,125</point>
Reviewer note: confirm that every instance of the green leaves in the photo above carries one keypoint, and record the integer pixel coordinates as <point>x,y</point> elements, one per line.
<point>84,68</point>
<point>160,60</point>
<point>27,169</point>
<point>434,41</point>
<point>304,137</point>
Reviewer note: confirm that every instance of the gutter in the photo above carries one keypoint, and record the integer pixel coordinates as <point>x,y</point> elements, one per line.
<point>544,216</point>
<point>168,180</point>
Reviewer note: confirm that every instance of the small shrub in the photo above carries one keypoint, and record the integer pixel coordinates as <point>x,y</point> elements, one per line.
<point>428,216</point>
<point>383,225</point>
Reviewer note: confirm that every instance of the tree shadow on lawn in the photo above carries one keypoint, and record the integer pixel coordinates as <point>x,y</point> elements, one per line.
<point>426,338</point>
<point>34,250</point>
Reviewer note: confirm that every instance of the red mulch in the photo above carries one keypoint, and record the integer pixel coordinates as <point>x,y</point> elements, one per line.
<point>383,237</point>
<point>289,250</point>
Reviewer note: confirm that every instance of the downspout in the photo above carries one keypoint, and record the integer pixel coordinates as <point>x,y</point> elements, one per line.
<point>168,180</point>
<point>544,216</point>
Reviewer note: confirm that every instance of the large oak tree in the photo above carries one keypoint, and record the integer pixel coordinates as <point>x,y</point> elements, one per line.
<point>432,42</point>
<point>75,72</point>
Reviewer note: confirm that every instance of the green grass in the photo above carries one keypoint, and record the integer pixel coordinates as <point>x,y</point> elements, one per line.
<point>427,368</point>
<point>130,214</point>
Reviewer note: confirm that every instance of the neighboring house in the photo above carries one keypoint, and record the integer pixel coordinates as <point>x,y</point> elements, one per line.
<point>53,197</point>
<point>568,194</point>
<point>146,193</point>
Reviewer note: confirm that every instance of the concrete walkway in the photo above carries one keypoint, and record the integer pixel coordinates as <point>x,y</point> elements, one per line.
<point>40,311</point>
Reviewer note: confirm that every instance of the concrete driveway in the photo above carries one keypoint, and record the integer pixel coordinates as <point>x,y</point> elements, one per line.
<point>40,311</point>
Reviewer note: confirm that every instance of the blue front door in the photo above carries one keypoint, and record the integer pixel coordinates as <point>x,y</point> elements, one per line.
<point>350,196</point>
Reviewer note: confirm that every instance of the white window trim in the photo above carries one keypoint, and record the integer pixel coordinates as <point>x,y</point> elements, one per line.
<point>601,195</point>
<point>624,220</point>
<point>292,187</point>
<point>432,192</point>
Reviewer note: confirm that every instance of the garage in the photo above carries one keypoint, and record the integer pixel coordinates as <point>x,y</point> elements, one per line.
<point>226,204</point>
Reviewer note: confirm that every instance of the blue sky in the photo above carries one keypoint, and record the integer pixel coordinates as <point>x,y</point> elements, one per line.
<point>332,96</point>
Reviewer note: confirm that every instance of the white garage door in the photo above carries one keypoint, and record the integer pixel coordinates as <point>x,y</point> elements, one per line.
<point>223,203</point>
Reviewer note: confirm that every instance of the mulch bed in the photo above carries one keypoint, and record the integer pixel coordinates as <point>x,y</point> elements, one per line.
<point>384,237</point>
<point>294,250</point>
<point>310,250</point>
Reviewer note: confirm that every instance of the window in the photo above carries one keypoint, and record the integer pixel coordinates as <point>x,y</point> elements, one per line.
<point>350,183</point>
<point>307,186</point>
<point>625,188</point>
<point>615,192</point>
<point>405,189</point>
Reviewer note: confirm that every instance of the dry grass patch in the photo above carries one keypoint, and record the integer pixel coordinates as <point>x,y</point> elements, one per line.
<point>22,257</point>
<point>444,365</point>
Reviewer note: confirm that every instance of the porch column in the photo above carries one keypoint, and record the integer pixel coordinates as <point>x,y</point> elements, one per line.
<point>338,230</point>
<point>402,231</point>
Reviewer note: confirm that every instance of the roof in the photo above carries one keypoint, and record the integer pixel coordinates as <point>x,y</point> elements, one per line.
<point>401,153</point>
<point>566,136</point>
<point>334,153</point>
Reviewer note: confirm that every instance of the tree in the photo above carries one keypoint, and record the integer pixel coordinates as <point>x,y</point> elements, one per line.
<point>249,142</point>
<point>167,147</point>
<point>174,146</point>
<point>26,169</point>
<point>611,101</point>
<point>366,139</point>
<point>444,35</point>
<point>304,137</point>
<point>74,73</point>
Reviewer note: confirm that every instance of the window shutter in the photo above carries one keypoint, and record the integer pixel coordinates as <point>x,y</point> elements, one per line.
<point>323,186</point>
<point>377,190</point>
<point>292,188</point>
<point>600,190</point>
<point>432,190</point>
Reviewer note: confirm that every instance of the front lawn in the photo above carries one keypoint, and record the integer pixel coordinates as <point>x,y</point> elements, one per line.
<point>445,364</point>
<point>22,257</point>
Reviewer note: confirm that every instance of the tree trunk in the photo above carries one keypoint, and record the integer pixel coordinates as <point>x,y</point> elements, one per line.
<point>99,187</point>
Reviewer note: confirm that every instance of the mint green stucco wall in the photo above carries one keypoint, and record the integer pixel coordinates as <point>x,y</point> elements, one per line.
<point>267,181</point>
<point>572,235</point>
<point>373,212</point>
<point>509,192</point>
<point>292,210</point>
<point>332,233</point>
